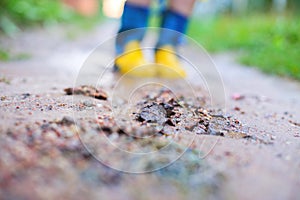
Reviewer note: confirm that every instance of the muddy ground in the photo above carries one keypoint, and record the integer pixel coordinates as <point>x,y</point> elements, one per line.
<point>56,145</point>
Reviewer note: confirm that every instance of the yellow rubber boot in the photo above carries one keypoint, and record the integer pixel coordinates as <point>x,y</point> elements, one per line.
<point>133,63</point>
<point>169,63</point>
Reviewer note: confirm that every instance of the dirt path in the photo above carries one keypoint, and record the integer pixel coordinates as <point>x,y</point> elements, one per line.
<point>42,157</point>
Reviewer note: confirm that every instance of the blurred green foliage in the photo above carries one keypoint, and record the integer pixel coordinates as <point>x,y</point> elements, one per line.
<point>4,55</point>
<point>268,5</point>
<point>267,41</point>
<point>17,13</point>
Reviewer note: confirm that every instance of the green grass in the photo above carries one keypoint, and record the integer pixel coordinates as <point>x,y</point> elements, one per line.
<point>6,55</point>
<point>268,42</point>
<point>16,15</point>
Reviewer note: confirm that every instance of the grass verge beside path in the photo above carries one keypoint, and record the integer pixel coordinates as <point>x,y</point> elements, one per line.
<point>269,42</point>
<point>16,15</point>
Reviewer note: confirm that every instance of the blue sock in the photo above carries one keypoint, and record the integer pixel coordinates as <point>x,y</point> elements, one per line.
<point>134,17</point>
<point>172,22</point>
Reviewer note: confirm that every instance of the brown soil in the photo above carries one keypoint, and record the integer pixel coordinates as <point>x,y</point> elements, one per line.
<point>249,151</point>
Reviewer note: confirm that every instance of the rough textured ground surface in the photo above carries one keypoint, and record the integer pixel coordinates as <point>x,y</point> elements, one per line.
<point>252,150</point>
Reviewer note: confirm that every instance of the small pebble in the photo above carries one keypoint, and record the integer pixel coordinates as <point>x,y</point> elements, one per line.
<point>273,137</point>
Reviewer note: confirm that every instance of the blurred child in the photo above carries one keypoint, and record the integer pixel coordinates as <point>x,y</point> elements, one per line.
<point>174,21</point>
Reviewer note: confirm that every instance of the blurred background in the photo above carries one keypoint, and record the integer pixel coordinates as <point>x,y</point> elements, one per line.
<point>264,33</point>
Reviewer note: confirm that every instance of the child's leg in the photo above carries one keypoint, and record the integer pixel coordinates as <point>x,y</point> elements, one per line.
<point>135,16</point>
<point>134,22</point>
<point>175,18</point>
<point>144,3</point>
<point>184,7</point>
<point>174,24</point>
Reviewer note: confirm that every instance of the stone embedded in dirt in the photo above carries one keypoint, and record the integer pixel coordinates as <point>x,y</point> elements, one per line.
<point>106,129</point>
<point>68,91</point>
<point>273,137</point>
<point>25,95</point>
<point>236,108</point>
<point>153,113</point>
<point>227,127</point>
<point>168,130</point>
<point>190,125</point>
<point>66,121</point>
<point>169,107</point>
<point>87,91</point>
<point>294,123</point>
<point>199,130</point>
<point>164,111</point>
<point>236,135</point>
<point>217,125</point>
<point>3,98</point>
<point>88,103</point>
<point>171,122</point>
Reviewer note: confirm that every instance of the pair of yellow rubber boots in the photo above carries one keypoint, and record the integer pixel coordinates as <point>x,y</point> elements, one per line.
<point>133,63</point>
